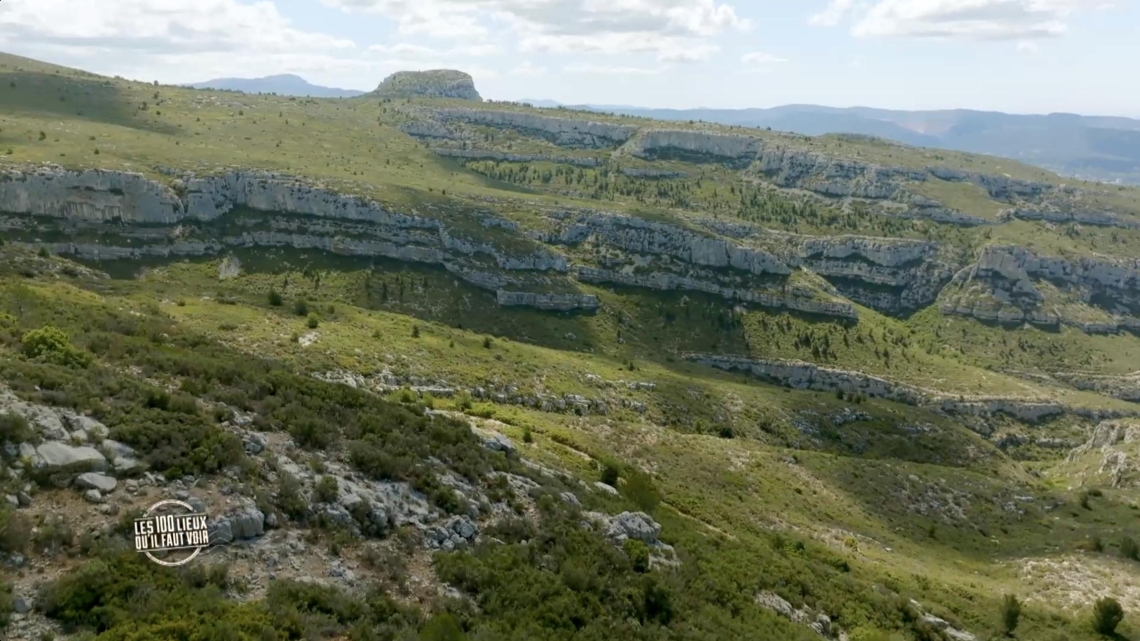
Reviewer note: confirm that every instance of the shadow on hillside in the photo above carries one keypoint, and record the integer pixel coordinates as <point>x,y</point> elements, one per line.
<point>69,97</point>
<point>985,517</point>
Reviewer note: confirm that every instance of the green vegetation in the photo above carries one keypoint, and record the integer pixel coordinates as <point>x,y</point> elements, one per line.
<point>1107,615</point>
<point>1010,613</point>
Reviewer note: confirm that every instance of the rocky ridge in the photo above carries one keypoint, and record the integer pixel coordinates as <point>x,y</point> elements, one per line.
<point>108,215</point>
<point>165,218</point>
<point>1111,439</point>
<point>1004,285</point>
<point>776,162</point>
<point>804,375</point>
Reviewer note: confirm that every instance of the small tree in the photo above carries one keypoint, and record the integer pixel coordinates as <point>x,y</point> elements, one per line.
<point>610,475</point>
<point>415,331</point>
<point>275,299</point>
<point>1107,614</point>
<point>640,489</point>
<point>1010,613</point>
<point>486,342</point>
<point>314,321</point>
<point>301,308</point>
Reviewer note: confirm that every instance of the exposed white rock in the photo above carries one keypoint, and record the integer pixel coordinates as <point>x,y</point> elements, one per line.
<point>555,302</point>
<point>1001,285</point>
<point>95,481</point>
<point>655,142</point>
<point>568,132</point>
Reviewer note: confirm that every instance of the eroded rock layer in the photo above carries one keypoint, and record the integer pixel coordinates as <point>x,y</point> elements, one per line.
<point>1010,284</point>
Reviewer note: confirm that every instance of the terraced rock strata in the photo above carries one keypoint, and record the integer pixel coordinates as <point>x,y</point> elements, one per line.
<point>1005,285</point>
<point>804,375</point>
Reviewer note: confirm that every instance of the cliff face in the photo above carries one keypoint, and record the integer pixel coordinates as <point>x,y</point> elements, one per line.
<point>658,143</point>
<point>1006,284</point>
<point>890,275</point>
<point>566,132</point>
<point>113,215</point>
<point>149,219</point>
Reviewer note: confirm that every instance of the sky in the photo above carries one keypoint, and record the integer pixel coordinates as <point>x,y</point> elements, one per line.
<point>1020,56</point>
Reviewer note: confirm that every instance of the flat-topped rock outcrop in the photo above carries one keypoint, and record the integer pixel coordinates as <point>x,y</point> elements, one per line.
<point>435,83</point>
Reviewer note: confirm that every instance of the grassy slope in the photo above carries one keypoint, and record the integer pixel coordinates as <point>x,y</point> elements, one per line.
<point>928,516</point>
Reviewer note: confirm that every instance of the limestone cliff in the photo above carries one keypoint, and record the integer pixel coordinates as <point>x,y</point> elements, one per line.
<point>890,275</point>
<point>566,132</point>
<point>1006,283</point>
<point>109,215</point>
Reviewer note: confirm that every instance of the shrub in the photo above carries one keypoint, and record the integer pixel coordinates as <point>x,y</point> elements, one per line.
<point>1107,614</point>
<point>51,344</point>
<point>415,331</point>
<point>301,308</point>
<point>528,435</point>
<point>1092,544</point>
<point>638,553</point>
<point>15,532</point>
<point>1010,613</point>
<point>275,299</point>
<point>640,489</point>
<point>1129,549</point>
<point>15,429</point>
<point>486,342</point>
<point>313,322</point>
<point>313,433</point>
<point>610,475</point>
<point>326,489</point>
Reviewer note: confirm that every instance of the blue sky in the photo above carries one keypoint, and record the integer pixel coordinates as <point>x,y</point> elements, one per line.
<point>1010,55</point>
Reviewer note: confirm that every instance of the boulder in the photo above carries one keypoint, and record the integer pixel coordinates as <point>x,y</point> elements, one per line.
<point>499,443</point>
<point>95,481</point>
<point>605,489</point>
<point>246,523</point>
<point>122,457</point>
<point>634,525</point>
<point>56,457</point>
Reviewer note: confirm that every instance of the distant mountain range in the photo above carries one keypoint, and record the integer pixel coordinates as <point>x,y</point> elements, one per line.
<point>284,85</point>
<point>1091,147</point>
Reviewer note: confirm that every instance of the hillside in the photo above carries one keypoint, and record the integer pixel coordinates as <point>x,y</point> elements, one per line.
<point>446,368</point>
<point>1090,147</point>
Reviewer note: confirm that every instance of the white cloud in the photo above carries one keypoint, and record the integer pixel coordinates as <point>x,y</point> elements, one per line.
<point>613,70</point>
<point>833,14</point>
<point>694,53</point>
<point>420,51</point>
<point>761,58</point>
<point>660,27</point>
<point>180,41</point>
<point>963,19</point>
<point>175,40</point>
